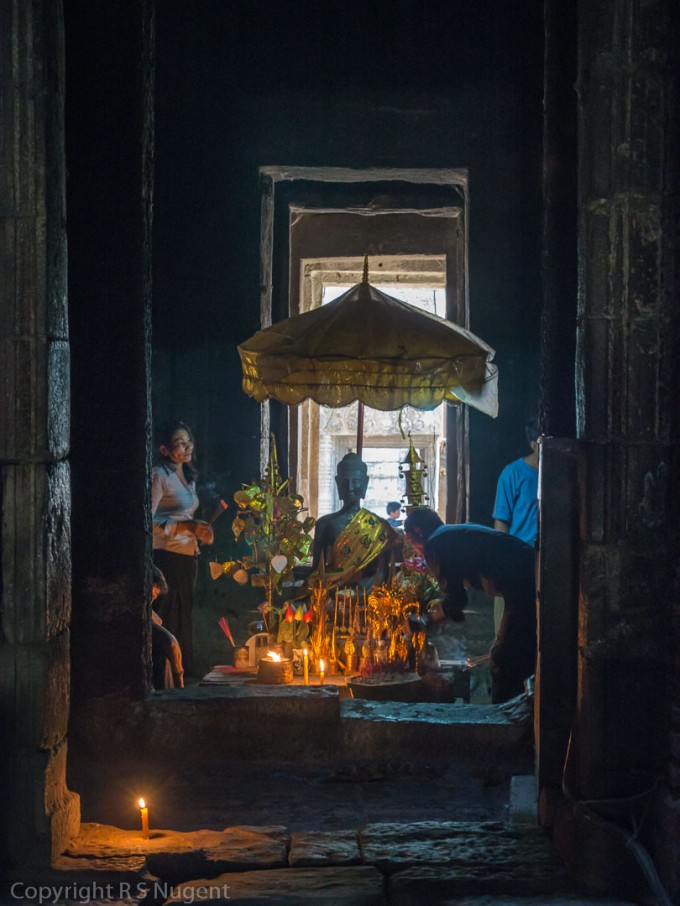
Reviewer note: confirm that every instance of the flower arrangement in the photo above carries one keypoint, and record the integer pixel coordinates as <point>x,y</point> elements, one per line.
<point>288,623</point>
<point>417,582</point>
<point>268,521</point>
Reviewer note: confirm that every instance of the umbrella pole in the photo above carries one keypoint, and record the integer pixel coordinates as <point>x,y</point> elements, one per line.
<point>360,428</point>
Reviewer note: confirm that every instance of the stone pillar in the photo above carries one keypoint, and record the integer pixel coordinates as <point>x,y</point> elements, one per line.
<point>557,583</point>
<point>109,149</point>
<point>41,814</point>
<point>558,320</point>
<point>627,407</point>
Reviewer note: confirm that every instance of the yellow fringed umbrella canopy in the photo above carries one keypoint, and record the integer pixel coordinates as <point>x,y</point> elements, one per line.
<point>370,347</point>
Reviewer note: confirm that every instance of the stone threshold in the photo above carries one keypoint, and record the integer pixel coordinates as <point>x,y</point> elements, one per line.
<point>382,864</point>
<point>241,720</point>
<point>177,857</point>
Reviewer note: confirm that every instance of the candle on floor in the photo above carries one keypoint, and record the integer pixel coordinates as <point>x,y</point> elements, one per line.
<point>305,666</point>
<point>321,672</point>
<point>145,819</point>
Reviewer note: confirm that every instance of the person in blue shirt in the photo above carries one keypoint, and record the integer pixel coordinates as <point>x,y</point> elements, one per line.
<point>475,556</point>
<point>394,514</point>
<point>515,511</point>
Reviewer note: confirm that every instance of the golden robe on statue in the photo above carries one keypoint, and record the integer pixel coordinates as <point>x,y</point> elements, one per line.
<point>360,543</point>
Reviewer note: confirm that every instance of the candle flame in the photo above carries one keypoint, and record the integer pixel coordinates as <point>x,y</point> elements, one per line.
<point>304,652</point>
<point>321,666</point>
<point>273,656</point>
<point>142,804</point>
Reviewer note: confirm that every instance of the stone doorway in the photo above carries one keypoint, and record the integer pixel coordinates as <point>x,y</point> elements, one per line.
<point>317,222</point>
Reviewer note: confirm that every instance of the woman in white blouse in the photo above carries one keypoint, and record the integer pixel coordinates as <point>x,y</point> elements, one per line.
<point>176,534</point>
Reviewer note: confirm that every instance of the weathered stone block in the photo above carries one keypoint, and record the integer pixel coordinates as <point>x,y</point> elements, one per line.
<point>324,848</point>
<point>350,886</point>
<point>427,731</point>
<point>58,426</point>
<point>103,841</point>
<point>523,799</point>
<point>38,791</point>
<point>233,849</point>
<point>253,722</point>
<point>57,541</point>
<point>394,846</point>
<point>174,857</point>
<point>595,89</point>
<point>33,276</point>
<point>452,885</point>
<point>41,693</point>
<point>55,777</point>
<point>595,334</point>
<point>36,552</point>
<point>598,249</point>
<point>35,407</point>
<point>601,570</point>
<point>64,823</point>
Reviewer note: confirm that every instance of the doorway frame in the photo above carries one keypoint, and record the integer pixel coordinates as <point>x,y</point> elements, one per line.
<point>458,309</point>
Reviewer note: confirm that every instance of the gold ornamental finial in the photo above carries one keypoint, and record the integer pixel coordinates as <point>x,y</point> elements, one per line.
<point>413,469</point>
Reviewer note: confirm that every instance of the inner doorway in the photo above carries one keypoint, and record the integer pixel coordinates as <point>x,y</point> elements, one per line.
<point>325,435</point>
<point>317,226</point>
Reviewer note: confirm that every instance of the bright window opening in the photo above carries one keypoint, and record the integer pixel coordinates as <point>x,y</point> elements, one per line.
<point>386,434</point>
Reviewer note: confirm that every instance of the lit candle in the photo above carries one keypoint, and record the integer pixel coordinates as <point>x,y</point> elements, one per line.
<point>305,666</point>
<point>321,672</point>
<point>145,819</point>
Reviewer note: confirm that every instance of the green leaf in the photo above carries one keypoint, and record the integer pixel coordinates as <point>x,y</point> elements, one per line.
<point>285,631</point>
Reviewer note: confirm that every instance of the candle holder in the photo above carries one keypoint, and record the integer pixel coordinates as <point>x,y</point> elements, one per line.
<point>275,671</point>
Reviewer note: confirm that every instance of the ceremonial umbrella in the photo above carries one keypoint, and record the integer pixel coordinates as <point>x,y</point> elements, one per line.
<point>370,347</point>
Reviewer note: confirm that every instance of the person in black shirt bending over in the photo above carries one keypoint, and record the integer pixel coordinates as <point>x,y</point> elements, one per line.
<point>474,556</point>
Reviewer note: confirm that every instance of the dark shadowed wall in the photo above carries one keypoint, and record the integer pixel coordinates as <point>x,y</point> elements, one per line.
<point>243,85</point>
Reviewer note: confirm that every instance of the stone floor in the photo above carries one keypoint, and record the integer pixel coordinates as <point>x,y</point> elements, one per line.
<point>383,864</point>
<point>421,804</point>
<point>444,863</point>
<point>359,832</point>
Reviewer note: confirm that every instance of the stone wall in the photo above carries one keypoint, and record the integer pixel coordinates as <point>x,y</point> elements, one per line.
<point>627,417</point>
<point>42,814</point>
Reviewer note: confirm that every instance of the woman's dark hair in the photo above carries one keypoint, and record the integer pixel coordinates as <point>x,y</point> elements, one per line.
<point>158,579</point>
<point>421,522</point>
<point>163,438</point>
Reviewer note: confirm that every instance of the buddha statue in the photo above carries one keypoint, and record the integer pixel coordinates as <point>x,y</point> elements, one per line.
<point>352,542</point>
